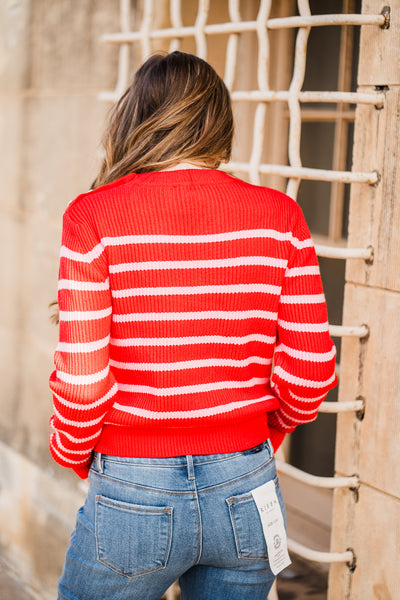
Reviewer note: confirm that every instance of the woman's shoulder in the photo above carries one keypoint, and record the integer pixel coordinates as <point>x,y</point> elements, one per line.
<point>259,189</point>
<point>268,198</point>
<point>89,200</point>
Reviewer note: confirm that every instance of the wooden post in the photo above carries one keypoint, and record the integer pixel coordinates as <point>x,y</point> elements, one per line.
<point>368,520</point>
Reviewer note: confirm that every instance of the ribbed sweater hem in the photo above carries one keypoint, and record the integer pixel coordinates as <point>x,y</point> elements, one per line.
<point>167,442</point>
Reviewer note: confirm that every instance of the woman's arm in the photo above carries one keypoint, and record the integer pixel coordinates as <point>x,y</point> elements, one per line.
<point>83,386</point>
<point>304,361</point>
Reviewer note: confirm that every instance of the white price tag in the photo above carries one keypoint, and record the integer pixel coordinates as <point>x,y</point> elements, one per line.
<point>273,526</point>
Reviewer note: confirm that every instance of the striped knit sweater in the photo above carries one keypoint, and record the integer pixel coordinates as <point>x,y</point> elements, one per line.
<point>192,319</point>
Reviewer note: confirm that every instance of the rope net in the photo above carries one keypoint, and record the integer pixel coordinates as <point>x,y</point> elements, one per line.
<point>162,25</point>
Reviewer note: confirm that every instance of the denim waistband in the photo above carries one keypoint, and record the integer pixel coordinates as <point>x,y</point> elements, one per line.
<point>180,460</point>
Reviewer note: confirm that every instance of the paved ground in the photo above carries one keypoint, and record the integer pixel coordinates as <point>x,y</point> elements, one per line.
<point>11,588</point>
<point>301,581</point>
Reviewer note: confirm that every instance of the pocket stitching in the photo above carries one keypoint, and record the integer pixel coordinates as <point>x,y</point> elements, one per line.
<point>231,502</point>
<point>154,510</point>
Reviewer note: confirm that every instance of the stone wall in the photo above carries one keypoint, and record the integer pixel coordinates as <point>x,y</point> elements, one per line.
<point>52,67</point>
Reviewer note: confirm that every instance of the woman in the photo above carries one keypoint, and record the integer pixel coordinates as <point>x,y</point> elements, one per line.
<point>178,285</point>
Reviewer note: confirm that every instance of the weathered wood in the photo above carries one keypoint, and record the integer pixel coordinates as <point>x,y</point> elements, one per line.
<point>380,48</point>
<point>375,211</point>
<point>372,529</point>
<point>340,577</point>
<point>369,367</point>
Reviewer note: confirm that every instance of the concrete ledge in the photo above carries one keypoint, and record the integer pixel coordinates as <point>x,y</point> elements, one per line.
<point>37,514</point>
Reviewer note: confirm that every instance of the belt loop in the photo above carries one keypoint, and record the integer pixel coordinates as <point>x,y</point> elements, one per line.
<point>98,462</point>
<point>190,466</point>
<point>271,447</point>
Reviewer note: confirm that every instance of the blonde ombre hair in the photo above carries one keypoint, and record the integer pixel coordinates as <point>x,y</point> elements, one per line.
<point>177,109</point>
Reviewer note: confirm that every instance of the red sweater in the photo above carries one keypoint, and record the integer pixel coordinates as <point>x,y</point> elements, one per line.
<point>177,292</point>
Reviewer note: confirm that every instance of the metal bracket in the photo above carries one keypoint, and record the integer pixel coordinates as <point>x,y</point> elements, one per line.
<point>352,563</point>
<point>360,414</point>
<point>386,13</point>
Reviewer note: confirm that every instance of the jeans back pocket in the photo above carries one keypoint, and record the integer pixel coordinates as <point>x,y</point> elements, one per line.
<point>132,539</point>
<point>247,527</point>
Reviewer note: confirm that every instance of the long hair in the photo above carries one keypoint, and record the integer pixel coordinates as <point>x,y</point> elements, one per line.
<point>176,109</point>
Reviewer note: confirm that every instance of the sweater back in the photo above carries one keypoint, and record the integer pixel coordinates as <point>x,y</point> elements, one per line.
<point>192,319</point>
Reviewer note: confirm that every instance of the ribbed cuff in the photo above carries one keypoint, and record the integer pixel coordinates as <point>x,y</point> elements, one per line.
<point>82,470</point>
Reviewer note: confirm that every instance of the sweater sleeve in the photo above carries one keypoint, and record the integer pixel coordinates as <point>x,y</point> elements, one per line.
<point>304,360</point>
<point>83,385</point>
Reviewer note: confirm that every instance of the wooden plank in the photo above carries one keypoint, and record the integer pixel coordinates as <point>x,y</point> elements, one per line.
<point>340,577</point>
<point>375,211</point>
<point>369,369</point>
<point>380,48</point>
<point>375,539</point>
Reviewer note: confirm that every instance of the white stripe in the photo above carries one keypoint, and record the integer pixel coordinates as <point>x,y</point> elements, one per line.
<point>307,327</point>
<point>191,364</point>
<point>82,440</point>
<point>64,449</point>
<point>239,261</point>
<point>89,405</point>
<point>303,299</point>
<point>293,419</point>
<point>191,389</point>
<point>197,316</point>
<point>193,340</point>
<point>83,347</point>
<point>208,238</point>
<point>68,460</point>
<point>189,414</point>
<point>299,271</point>
<point>280,372</point>
<point>309,356</point>
<point>83,379</point>
<point>302,399</point>
<point>242,288</point>
<point>282,423</point>
<point>87,257</point>
<point>300,245</point>
<point>85,315</point>
<point>78,423</point>
<point>89,286</point>
<point>299,410</point>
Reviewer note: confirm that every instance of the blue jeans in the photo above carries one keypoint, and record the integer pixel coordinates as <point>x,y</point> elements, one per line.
<point>147,522</point>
